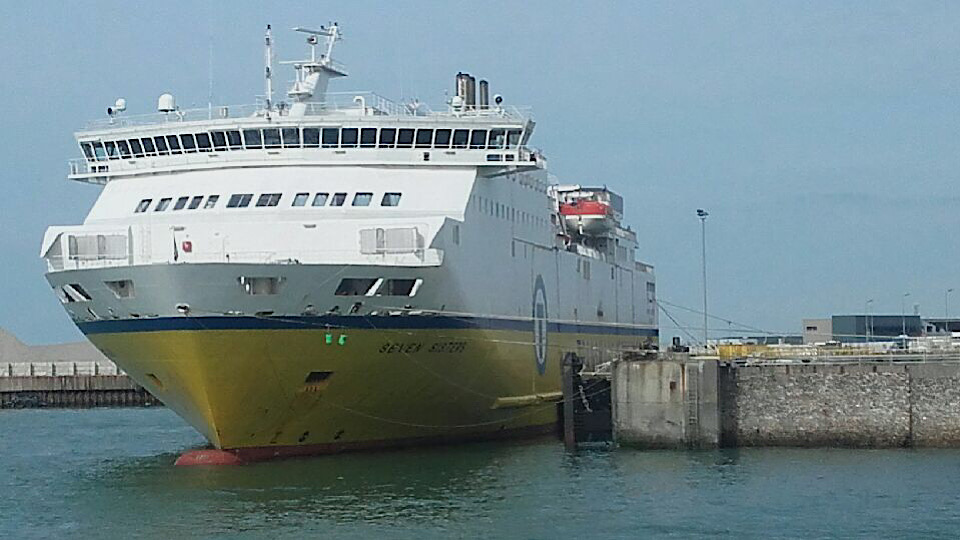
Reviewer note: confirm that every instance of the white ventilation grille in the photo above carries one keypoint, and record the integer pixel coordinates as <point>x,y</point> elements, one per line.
<point>390,240</point>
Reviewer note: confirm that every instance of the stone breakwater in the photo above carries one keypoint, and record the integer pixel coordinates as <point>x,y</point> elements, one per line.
<point>73,391</point>
<point>690,402</point>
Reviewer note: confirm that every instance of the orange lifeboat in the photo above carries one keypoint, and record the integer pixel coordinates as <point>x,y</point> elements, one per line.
<point>588,217</point>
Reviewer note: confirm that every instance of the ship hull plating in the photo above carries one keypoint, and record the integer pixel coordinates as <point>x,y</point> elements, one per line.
<point>274,387</point>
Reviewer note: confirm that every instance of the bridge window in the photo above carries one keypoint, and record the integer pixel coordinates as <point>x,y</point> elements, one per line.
<point>195,202</point>
<point>188,143</point>
<point>124,149</point>
<point>338,199</point>
<point>390,199</point>
<point>291,137</point>
<point>460,137</point>
<point>388,136</point>
<point>269,199</point>
<point>174,144</point>
<point>87,150</point>
<point>362,199</point>
<point>311,137</point>
<point>219,140</point>
<point>513,138</point>
<point>405,138</point>
<point>98,152</point>
<point>331,137</point>
<point>142,206</point>
<point>442,139</point>
<point>252,139</point>
<point>203,142</point>
<point>137,149</point>
<point>300,199</point>
<point>368,137</point>
<point>348,138</point>
<point>478,138</point>
<point>424,138</point>
<point>148,146</point>
<point>497,138</point>
<point>163,204</point>
<point>181,203</point>
<point>111,149</point>
<point>320,199</point>
<point>271,138</point>
<point>161,145</point>
<point>236,142</point>
<point>239,200</point>
<point>211,201</point>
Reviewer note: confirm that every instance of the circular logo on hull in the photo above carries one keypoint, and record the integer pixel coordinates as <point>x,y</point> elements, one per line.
<point>540,324</point>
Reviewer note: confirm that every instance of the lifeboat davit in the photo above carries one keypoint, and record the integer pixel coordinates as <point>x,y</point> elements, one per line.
<point>591,218</point>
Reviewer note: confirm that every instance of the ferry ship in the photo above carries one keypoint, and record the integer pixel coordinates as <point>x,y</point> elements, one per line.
<point>337,271</point>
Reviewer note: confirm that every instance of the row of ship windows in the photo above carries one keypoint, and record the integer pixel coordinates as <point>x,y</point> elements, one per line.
<point>294,137</point>
<point>499,210</point>
<point>243,200</point>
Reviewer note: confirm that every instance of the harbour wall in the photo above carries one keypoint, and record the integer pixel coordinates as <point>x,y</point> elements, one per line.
<point>72,391</point>
<point>862,404</point>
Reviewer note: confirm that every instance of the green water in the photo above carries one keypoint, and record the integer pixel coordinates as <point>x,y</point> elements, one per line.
<point>109,474</point>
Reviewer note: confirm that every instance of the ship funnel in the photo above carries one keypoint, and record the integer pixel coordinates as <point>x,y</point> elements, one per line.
<point>471,97</point>
<point>484,95</point>
<point>463,87</point>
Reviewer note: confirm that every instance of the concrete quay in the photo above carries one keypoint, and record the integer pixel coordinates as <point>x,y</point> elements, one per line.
<point>684,401</point>
<point>72,391</point>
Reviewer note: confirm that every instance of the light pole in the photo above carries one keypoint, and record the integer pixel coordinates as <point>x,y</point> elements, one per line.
<point>702,214</point>
<point>866,323</point>
<point>903,314</point>
<point>946,311</point>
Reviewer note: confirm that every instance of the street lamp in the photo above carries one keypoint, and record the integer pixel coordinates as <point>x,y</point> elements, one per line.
<point>702,214</point>
<point>946,311</point>
<point>903,315</point>
<point>866,323</point>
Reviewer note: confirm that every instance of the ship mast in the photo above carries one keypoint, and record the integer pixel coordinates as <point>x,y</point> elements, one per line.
<point>310,86</point>
<point>268,72</point>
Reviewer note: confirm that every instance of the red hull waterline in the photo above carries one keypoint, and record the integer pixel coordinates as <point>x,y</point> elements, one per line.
<point>239,456</point>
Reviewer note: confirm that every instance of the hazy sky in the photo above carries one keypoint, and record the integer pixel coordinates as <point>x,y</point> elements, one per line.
<point>823,138</point>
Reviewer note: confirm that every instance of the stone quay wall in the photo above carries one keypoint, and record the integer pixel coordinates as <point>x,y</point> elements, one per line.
<point>694,402</point>
<point>73,391</point>
<point>875,405</point>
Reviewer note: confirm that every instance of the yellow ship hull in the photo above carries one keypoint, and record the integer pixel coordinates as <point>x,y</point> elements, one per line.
<point>273,390</point>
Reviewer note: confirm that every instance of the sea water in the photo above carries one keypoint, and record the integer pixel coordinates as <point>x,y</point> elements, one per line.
<point>108,473</point>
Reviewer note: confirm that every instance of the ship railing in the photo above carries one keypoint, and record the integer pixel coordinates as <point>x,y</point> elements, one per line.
<point>778,356</point>
<point>360,103</point>
<point>643,267</point>
<point>100,172</point>
<point>59,369</point>
<point>56,263</point>
<point>423,257</point>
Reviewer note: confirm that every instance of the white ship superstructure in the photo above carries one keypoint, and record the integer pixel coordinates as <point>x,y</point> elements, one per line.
<point>341,271</point>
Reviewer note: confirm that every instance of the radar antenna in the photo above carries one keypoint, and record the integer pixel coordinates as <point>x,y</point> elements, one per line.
<point>313,75</point>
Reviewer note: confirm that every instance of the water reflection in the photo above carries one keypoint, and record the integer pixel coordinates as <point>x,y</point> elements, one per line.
<point>433,485</point>
<point>110,474</point>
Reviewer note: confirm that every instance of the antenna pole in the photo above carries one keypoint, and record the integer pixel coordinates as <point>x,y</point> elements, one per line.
<point>269,70</point>
<point>210,79</point>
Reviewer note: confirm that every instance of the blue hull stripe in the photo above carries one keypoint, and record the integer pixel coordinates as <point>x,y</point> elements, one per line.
<point>323,322</point>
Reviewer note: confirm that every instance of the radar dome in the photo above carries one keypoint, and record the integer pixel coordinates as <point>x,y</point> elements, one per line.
<point>166,103</point>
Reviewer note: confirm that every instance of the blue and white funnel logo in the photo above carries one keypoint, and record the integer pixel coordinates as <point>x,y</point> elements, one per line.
<point>540,324</point>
